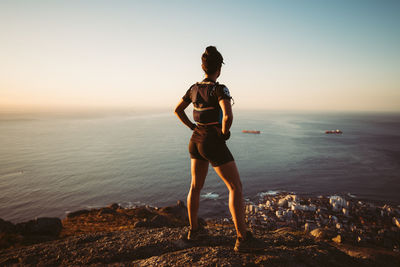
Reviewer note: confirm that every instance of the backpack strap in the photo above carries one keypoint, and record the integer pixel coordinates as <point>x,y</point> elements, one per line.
<point>212,91</point>
<point>195,91</point>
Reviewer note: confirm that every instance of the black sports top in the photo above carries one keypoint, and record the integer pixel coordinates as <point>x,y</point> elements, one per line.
<point>205,97</point>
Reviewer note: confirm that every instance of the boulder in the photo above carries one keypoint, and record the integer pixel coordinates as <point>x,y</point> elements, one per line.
<point>114,206</point>
<point>283,202</point>
<point>337,239</point>
<point>143,223</point>
<point>103,211</point>
<point>159,221</point>
<point>40,226</point>
<point>77,213</point>
<point>180,203</point>
<point>6,226</point>
<point>143,212</point>
<point>318,233</point>
<point>178,211</point>
<point>322,233</point>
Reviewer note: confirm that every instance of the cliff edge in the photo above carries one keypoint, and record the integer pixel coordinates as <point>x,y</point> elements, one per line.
<point>146,236</point>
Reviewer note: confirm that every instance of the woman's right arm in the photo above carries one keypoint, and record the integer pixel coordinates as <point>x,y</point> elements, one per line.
<point>227,116</point>
<point>180,112</point>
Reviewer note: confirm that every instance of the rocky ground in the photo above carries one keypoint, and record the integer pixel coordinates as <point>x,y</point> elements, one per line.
<point>343,219</point>
<point>147,236</point>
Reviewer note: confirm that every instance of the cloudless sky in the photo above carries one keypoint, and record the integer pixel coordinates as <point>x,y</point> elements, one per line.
<point>279,55</point>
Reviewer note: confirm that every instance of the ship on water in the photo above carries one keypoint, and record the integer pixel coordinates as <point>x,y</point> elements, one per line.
<point>252,132</point>
<point>337,131</point>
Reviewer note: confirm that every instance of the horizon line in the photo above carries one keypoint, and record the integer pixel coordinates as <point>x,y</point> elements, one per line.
<point>106,109</point>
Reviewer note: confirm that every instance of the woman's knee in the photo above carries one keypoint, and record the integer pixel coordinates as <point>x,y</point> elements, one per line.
<point>196,187</point>
<point>235,187</point>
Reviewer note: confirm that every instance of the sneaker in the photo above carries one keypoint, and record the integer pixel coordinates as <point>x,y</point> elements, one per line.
<point>249,243</point>
<point>198,234</point>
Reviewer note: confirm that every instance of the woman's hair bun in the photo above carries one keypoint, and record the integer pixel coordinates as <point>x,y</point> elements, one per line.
<point>211,60</point>
<point>211,50</point>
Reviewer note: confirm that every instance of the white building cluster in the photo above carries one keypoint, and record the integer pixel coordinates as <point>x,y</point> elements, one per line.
<point>339,204</point>
<point>351,219</point>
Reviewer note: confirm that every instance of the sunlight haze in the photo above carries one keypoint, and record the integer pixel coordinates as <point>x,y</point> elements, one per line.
<point>279,55</point>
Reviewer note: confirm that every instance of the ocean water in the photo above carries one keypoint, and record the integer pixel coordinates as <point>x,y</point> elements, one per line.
<point>53,164</point>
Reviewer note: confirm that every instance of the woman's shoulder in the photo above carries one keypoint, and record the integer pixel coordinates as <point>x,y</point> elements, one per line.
<point>221,86</point>
<point>222,91</point>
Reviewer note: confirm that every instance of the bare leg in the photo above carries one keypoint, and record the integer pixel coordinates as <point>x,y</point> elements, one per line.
<point>230,175</point>
<point>199,173</point>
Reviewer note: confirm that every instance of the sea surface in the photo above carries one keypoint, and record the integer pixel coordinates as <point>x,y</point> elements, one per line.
<point>51,164</point>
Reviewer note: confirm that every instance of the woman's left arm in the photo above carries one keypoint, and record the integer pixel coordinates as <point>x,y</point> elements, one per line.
<point>227,115</point>
<point>180,112</point>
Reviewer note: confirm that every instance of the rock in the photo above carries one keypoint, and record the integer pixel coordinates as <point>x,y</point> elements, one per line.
<point>181,204</point>
<point>33,231</point>
<point>92,240</point>
<point>52,226</point>
<point>77,213</point>
<point>178,211</point>
<point>103,211</point>
<point>322,233</point>
<point>309,227</point>
<point>337,239</point>
<point>142,213</point>
<point>143,223</point>
<point>283,202</point>
<point>164,247</point>
<point>6,226</point>
<point>284,230</point>
<point>318,233</point>
<point>159,221</point>
<point>114,206</point>
<point>396,221</point>
<point>40,226</point>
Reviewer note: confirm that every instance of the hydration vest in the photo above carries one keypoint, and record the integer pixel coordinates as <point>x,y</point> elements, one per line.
<point>206,109</point>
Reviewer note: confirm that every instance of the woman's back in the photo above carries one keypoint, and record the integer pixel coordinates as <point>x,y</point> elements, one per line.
<point>207,112</point>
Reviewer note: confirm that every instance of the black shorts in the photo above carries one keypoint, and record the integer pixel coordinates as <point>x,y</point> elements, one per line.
<point>217,153</point>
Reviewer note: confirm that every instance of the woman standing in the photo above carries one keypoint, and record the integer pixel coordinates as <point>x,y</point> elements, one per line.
<point>212,112</point>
